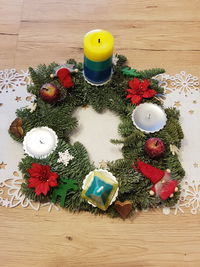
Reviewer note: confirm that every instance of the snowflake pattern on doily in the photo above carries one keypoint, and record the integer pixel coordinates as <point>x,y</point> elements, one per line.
<point>182,82</point>
<point>189,198</point>
<point>14,197</point>
<point>163,80</point>
<point>10,78</point>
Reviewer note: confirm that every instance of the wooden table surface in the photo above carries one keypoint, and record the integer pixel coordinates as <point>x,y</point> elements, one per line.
<point>151,33</point>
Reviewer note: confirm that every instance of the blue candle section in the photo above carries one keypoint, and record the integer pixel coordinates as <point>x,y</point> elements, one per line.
<point>97,72</point>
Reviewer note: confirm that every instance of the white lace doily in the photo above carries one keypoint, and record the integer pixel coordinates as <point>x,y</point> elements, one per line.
<point>182,91</point>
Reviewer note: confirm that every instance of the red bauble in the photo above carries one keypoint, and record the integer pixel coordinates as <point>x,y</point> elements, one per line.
<point>49,93</point>
<point>154,147</point>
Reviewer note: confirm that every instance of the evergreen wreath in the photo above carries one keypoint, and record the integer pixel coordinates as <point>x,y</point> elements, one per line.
<point>134,187</point>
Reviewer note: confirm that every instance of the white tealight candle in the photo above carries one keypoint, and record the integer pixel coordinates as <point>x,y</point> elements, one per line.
<point>40,142</point>
<point>149,117</point>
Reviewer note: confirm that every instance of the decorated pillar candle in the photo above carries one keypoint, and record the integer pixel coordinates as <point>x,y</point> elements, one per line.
<point>98,50</point>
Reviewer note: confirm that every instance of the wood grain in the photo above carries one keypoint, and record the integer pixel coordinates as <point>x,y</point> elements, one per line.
<point>151,33</point>
<point>64,239</point>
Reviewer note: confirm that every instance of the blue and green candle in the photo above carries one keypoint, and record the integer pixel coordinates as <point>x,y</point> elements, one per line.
<point>98,51</point>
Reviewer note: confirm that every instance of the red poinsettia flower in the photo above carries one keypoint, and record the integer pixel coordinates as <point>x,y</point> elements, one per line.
<point>139,90</point>
<point>41,178</point>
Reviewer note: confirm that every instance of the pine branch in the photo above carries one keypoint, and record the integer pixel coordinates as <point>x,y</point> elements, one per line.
<point>148,74</point>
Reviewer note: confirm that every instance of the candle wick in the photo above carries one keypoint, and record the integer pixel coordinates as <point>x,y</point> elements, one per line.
<point>41,142</point>
<point>149,116</point>
<point>99,40</point>
<point>100,189</point>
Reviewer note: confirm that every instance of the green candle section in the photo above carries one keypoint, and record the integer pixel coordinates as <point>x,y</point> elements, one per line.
<point>97,66</point>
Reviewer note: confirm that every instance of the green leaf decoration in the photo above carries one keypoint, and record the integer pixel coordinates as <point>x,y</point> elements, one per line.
<point>130,72</point>
<point>61,191</point>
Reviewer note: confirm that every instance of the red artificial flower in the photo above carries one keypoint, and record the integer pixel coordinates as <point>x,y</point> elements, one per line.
<point>41,178</point>
<point>139,90</point>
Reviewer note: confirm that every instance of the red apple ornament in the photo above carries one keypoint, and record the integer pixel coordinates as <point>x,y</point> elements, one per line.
<point>49,93</point>
<point>154,147</point>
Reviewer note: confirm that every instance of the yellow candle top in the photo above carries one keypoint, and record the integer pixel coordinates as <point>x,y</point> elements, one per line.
<point>98,45</point>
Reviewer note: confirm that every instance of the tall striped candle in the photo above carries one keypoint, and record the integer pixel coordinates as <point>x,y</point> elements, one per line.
<point>98,50</point>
